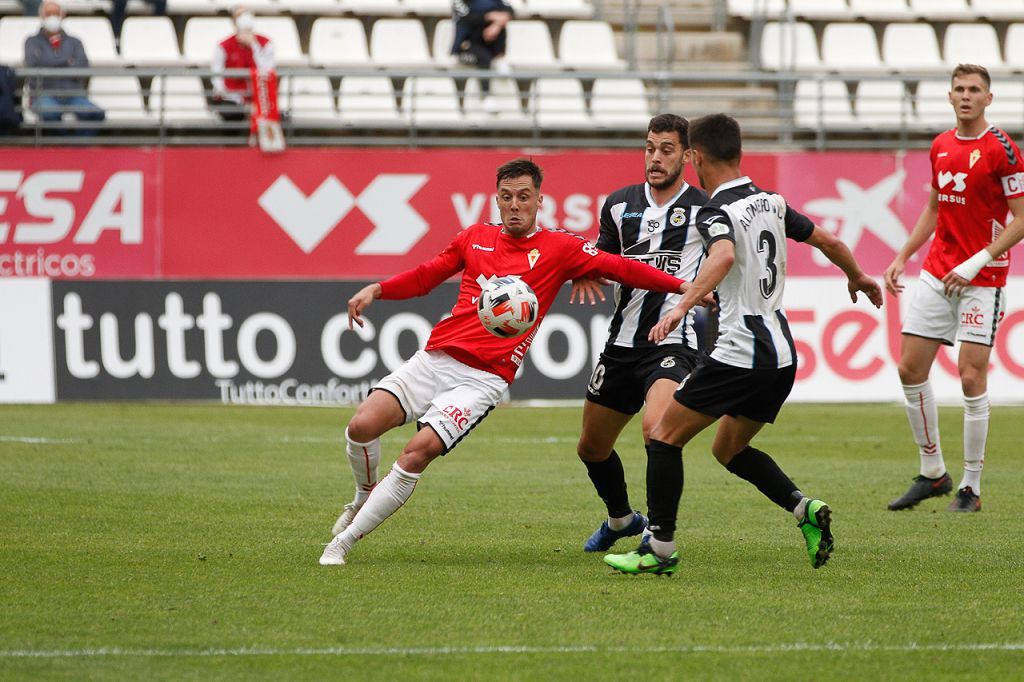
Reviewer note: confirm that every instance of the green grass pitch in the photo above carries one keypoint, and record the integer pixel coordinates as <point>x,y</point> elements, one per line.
<point>158,541</point>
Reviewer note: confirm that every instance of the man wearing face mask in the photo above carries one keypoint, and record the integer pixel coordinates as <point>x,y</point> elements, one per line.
<point>53,48</point>
<point>246,49</point>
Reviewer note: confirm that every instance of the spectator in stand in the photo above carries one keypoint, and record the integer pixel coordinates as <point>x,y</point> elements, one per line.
<point>51,48</point>
<point>31,7</point>
<point>243,50</point>
<point>119,8</point>
<point>480,39</point>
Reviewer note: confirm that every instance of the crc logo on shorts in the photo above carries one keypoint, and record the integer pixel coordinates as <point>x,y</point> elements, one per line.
<point>668,362</point>
<point>457,415</point>
<point>972,318</point>
<point>678,217</point>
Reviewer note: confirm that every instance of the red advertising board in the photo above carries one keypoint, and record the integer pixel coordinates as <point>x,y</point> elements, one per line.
<point>79,213</point>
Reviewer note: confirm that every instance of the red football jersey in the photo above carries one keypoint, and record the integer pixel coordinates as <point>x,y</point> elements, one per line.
<point>545,260</point>
<point>973,177</point>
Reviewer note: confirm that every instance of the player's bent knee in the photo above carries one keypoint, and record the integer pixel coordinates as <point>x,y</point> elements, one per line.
<point>591,452</point>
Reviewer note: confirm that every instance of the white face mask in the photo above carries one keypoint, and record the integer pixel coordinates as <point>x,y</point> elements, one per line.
<point>51,23</point>
<point>245,21</point>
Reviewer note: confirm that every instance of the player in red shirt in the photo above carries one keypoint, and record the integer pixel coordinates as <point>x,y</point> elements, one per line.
<point>464,370</point>
<point>977,178</point>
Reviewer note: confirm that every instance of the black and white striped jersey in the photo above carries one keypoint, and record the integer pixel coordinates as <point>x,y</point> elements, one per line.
<point>753,330</point>
<point>662,236</point>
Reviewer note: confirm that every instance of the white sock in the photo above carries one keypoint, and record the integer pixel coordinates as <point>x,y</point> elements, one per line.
<point>620,523</point>
<point>924,423</point>
<point>661,548</point>
<point>363,458</point>
<point>801,508</point>
<point>976,411</point>
<point>386,498</point>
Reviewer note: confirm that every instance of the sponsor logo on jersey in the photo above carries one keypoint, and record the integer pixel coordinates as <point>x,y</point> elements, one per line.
<point>533,256</point>
<point>457,415</point>
<point>678,217</point>
<point>941,154</point>
<point>477,247</point>
<point>973,317</point>
<point>627,216</point>
<point>653,225</point>
<point>945,177</point>
<point>975,156</point>
<point>668,362</point>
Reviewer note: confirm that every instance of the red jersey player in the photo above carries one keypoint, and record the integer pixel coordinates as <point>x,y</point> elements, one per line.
<point>462,373</point>
<point>977,177</point>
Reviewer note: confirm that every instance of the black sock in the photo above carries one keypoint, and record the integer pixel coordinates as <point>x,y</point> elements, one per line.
<point>664,488</point>
<point>610,483</point>
<point>758,468</point>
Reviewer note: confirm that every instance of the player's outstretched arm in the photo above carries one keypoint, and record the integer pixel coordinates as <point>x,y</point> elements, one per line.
<point>923,229</point>
<point>721,256</point>
<point>961,276</point>
<point>841,256</point>
<point>358,303</point>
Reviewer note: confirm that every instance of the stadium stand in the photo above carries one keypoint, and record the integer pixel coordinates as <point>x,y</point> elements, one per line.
<point>150,41</point>
<point>367,101</point>
<point>336,42</point>
<point>850,47</point>
<point>909,47</point>
<point>399,43</point>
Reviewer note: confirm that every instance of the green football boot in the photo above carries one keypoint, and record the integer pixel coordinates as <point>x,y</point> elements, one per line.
<point>817,530</point>
<point>643,560</point>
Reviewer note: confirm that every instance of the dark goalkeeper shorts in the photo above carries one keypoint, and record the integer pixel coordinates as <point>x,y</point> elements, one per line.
<point>716,389</point>
<point>624,375</point>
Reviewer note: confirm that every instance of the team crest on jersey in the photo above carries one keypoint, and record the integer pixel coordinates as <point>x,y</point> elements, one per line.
<point>533,257</point>
<point>975,156</point>
<point>668,362</point>
<point>678,217</point>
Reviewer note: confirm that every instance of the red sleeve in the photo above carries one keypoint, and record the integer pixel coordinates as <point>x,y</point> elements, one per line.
<point>425,277</point>
<point>629,272</point>
<point>931,162</point>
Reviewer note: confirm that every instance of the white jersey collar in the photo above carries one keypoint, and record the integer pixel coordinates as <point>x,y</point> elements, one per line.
<point>652,202</point>
<point>983,134</point>
<point>730,184</point>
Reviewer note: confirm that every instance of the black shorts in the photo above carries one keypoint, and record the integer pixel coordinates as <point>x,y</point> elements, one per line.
<point>624,375</point>
<point>717,389</point>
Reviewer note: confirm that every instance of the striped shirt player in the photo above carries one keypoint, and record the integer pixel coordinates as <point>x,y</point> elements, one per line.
<point>977,180</point>
<point>634,225</point>
<point>749,374</point>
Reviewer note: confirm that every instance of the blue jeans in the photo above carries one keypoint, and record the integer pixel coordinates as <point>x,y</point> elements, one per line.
<point>51,108</point>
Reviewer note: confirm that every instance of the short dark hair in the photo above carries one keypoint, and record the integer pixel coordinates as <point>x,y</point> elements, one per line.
<point>666,123</point>
<point>966,69</point>
<point>517,168</point>
<point>718,136</point>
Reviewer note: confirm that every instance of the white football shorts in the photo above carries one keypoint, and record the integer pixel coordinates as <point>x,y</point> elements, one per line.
<point>438,391</point>
<point>973,316</point>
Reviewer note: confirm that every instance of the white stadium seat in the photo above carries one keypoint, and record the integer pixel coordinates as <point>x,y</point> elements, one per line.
<point>1007,108</point>
<point>429,8</point>
<point>909,47</point>
<point>972,44</point>
<point>996,10</point>
<point>338,42</point>
<point>431,101</point>
<point>308,99</point>
<point>373,7</point>
<point>530,46</point>
<point>13,33</point>
<point>620,103</point>
<point>789,46</point>
<point>850,47</point>
<point>882,104</point>
<point>315,7</point>
<point>120,97</point>
<point>820,9</point>
<point>933,107</point>
<point>1015,46</point>
<point>748,9</point>
<point>880,9</point>
<point>817,103</point>
<point>363,100</point>
<point>508,109</point>
<point>588,45</point>
<point>444,34</point>
<point>149,41</point>
<point>97,38</point>
<point>179,100</point>
<point>202,35</point>
<point>285,37</point>
<point>254,6</point>
<point>559,9</point>
<point>400,43</point>
<point>941,9</point>
<point>559,103</point>
<point>191,7</point>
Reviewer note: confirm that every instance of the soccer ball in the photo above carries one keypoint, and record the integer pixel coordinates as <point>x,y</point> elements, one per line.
<point>507,307</point>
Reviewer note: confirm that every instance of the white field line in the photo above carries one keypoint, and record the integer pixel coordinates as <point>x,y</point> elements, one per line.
<point>42,441</point>
<point>796,647</point>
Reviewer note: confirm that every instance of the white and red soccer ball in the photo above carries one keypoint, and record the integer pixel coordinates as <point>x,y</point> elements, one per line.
<point>507,306</point>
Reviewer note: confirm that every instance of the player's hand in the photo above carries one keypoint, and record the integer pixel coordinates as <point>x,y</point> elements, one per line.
<point>358,303</point>
<point>892,277</point>
<point>708,301</point>
<point>589,289</point>
<point>868,286</point>
<point>667,324</point>
<point>954,284</point>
